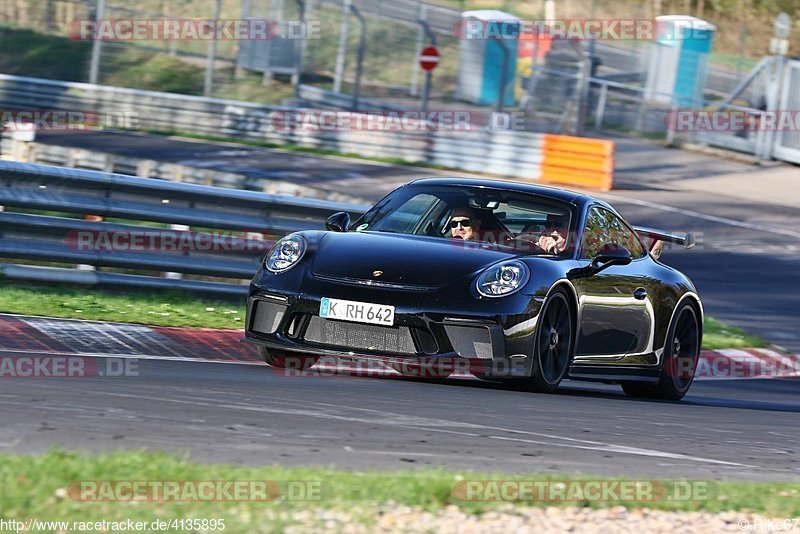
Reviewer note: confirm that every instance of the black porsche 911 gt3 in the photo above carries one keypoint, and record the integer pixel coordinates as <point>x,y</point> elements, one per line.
<point>523,282</point>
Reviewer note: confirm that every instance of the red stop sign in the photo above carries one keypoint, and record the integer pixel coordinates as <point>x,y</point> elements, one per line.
<point>429,58</point>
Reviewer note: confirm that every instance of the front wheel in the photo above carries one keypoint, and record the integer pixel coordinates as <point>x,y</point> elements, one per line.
<point>295,362</point>
<point>553,343</point>
<point>681,353</point>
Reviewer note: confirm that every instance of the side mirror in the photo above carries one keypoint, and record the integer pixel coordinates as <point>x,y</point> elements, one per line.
<point>608,255</point>
<point>611,254</point>
<point>338,222</point>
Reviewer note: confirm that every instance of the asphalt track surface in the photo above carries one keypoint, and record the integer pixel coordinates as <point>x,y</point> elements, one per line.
<point>745,268</point>
<point>252,415</point>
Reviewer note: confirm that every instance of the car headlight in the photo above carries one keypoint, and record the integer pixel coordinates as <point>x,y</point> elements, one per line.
<point>503,279</point>
<point>285,254</point>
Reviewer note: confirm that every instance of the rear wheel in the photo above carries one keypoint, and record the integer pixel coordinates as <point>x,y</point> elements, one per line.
<point>553,343</point>
<point>296,362</point>
<point>680,359</point>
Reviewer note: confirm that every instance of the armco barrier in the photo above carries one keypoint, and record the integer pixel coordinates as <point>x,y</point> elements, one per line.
<point>525,155</point>
<point>251,219</point>
<point>79,158</point>
<point>578,161</point>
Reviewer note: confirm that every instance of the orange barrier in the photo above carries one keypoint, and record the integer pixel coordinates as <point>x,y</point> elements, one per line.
<point>578,161</point>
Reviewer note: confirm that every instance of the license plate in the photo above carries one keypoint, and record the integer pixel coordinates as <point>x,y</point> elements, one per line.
<point>356,312</point>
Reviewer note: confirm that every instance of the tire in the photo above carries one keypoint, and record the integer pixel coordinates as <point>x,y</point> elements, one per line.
<point>681,352</point>
<point>295,362</point>
<point>553,343</point>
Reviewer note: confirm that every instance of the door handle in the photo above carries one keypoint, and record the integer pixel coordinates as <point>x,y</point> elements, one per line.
<point>640,294</point>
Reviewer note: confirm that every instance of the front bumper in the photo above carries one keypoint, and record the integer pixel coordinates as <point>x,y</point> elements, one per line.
<point>492,333</point>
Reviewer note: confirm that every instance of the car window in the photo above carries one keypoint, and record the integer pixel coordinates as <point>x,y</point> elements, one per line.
<point>522,222</point>
<point>406,217</point>
<point>604,227</point>
<point>519,217</point>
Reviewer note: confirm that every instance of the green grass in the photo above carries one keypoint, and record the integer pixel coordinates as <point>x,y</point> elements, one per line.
<point>152,308</point>
<point>28,53</point>
<point>718,335</point>
<point>181,310</point>
<point>154,72</point>
<point>38,486</point>
<point>296,148</point>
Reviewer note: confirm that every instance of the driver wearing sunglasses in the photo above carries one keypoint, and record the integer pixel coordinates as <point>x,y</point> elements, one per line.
<point>464,224</point>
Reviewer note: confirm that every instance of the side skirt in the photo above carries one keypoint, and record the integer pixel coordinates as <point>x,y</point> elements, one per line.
<point>607,373</point>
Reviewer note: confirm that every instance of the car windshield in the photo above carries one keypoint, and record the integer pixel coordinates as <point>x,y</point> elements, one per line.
<point>525,222</point>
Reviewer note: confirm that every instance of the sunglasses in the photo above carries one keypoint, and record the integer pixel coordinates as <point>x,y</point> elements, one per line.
<point>465,223</point>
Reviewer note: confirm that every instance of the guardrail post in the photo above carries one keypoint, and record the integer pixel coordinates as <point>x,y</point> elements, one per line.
<point>94,65</point>
<point>422,12</point>
<point>362,45</point>
<point>601,107</point>
<point>143,168</point>
<point>276,12</point>
<point>176,228</point>
<point>532,82</point>
<point>84,266</point>
<point>341,54</point>
<point>582,94</point>
<point>22,147</point>
<point>304,6</point>
<point>670,129</point>
<point>426,92</point>
<point>240,72</point>
<point>640,113</point>
<point>774,96</point>
<point>208,84</point>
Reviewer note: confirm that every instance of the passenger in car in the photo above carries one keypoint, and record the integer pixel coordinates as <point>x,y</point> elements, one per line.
<point>554,237</point>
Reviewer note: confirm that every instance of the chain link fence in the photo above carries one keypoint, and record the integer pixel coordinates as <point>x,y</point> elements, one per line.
<point>360,49</point>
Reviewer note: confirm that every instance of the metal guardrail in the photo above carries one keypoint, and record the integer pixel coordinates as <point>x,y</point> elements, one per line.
<point>630,107</point>
<point>81,158</point>
<point>503,152</point>
<point>54,239</point>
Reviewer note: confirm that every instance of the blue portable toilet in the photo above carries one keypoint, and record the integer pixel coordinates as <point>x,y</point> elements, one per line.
<point>483,35</point>
<point>679,60</point>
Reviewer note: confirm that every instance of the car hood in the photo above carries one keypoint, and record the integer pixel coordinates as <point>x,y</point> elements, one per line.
<point>402,259</point>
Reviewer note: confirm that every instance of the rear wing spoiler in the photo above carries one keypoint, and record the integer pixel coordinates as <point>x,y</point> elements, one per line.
<point>654,239</point>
